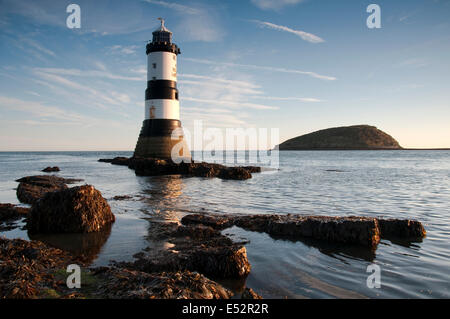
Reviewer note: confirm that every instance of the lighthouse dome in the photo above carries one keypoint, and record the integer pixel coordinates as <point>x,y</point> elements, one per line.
<point>162,34</point>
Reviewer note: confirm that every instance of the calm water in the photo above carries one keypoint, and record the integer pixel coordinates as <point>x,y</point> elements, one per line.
<point>400,184</point>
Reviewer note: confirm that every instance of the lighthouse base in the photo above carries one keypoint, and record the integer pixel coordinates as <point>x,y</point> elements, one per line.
<point>162,139</point>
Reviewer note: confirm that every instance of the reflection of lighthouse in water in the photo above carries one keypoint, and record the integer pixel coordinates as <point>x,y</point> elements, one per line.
<point>161,134</point>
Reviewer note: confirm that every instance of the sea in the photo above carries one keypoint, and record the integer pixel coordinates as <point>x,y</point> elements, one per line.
<point>406,184</point>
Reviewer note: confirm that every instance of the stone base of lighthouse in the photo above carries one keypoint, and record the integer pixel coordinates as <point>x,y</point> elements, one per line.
<point>157,139</point>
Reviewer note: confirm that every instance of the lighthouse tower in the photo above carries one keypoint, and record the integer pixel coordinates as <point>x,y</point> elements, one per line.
<point>161,134</point>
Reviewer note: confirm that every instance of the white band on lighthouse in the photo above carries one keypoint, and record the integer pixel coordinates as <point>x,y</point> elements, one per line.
<point>162,109</point>
<point>162,66</point>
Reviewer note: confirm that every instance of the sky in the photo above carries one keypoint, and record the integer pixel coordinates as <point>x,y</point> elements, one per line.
<point>295,65</point>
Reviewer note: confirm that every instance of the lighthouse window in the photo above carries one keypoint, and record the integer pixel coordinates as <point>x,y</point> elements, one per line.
<point>154,65</point>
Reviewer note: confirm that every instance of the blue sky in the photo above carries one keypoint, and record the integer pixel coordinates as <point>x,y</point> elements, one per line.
<point>295,65</point>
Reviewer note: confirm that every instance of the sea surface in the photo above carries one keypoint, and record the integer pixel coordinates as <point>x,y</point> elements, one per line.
<point>391,184</point>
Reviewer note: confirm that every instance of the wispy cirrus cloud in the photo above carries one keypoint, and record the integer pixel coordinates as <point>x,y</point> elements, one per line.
<point>302,34</point>
<point>175,6</point>
<point>232,104</point>
<point>413,63</point>
<point>288,98</point>
<point>196,22</point>
<point>89,73</point>
<point>274,4</point>
<point>265,68</point>
<point>122,49</point>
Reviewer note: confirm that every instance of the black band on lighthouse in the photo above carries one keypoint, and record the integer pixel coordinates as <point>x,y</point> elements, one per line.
<point>159,127</point>
<point>162,46</point>
<point>161,89</point>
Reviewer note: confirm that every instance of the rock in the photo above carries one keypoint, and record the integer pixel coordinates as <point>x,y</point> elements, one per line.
<point>156,167</point>
<point>349,230</point>
<point>250,294</point>
<point>27,267</point>
<point>105,160</point>
<point>359,137</point>
<point>80,209</point>
<point>10,213</point>
<point>131,284</point>
<point>32,188</point>
<point>122,197</point>
<point>195,248</point>
<point>214,221</point>
<point>51,169</point>
<point>401,228</point>
<point>238,173</point>
<point>31,269</point>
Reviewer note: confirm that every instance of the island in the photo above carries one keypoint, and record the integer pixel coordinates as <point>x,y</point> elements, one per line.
<point>356,137</point>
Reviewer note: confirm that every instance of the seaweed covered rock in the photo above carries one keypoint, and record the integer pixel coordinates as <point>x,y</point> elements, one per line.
<point>80,209</point>
<point>195,248</point>
<point>365,231</point>
<point>250,294</point>
<point>131,284</point>
<point>12,212</point>
<point>26,267</point>
<point>401,228</point>
<point>9,213</point>
<point>50,169</point>
<point>32,188</point>
<point>156,167</point>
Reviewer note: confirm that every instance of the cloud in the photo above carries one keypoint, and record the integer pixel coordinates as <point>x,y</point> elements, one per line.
<point>414,63</point>
<point>85,94</point>
<point>299,99</point>
<point>88,73</point>
<point>40,110</point>
<point>120,49</point>
<point>196,23</point>
<point>219,80</point>
<point>175,6</point>
<point>302,34</point>
<point>264,68</point>
<point>233,104</point>
<point>38,46</point>
<point>274,4</point>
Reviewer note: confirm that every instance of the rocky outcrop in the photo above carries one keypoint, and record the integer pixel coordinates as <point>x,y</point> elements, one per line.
<point>365,231</point>
<point>401,228</point>
<point>155,167</point>
<point>357,137</point>
<point>32,188</point>
<point>26,267</point>
<point>31,269</point>
<point>195,248</point>
<point>51,169</point>
<point>250,294</point>
<point>9,213</point>
<point>80,209</point>
<point>131,284</point>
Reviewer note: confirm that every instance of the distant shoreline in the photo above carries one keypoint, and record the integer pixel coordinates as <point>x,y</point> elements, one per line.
<point>369,149</point>
<point>309,149</point>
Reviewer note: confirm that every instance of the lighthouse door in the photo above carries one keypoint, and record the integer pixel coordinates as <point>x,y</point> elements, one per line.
<point>152,112</point>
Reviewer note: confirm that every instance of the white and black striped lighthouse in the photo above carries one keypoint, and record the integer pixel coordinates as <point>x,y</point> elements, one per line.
<point>162,107</point>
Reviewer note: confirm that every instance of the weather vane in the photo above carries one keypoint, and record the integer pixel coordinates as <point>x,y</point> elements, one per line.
<point>162,22</point>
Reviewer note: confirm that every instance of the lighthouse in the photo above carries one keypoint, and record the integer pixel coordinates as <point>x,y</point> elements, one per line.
<point>161,134</point>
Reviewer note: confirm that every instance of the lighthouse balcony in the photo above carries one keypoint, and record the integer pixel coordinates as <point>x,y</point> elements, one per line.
<point>162,46</point>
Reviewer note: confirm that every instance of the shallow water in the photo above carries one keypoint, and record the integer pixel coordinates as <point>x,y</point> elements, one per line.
<point>399,184</point>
